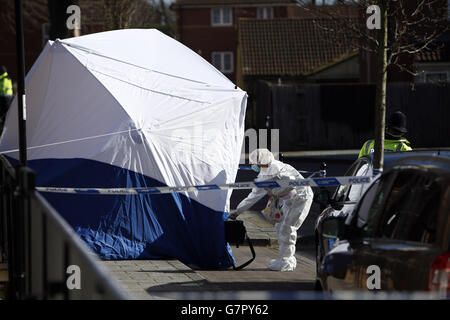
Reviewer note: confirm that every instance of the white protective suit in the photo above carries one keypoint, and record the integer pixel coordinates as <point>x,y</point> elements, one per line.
<point>296,203</point>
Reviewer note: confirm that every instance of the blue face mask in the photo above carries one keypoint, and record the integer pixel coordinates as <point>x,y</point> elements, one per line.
<point>256,168</point>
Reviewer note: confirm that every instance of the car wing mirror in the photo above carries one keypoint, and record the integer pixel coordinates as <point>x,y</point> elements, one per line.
<point>323,197</point>
<point>336,205</point>
<point>349,231</point>
<point>333,227</point>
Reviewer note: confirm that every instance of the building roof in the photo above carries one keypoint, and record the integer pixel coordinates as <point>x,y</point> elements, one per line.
<point>292,47</point>
<point>430,56</point>
<point>325,11</point>
<point>232,2</point>
<point>439,53</point>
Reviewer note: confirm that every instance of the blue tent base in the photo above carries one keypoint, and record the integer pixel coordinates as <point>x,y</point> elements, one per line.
<point>118,227</point>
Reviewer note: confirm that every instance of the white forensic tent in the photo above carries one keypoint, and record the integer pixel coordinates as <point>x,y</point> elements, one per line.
<point>134,108</point>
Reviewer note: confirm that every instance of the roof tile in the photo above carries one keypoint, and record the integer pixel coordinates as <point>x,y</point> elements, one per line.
<point>291,47</point>
<point>231,2</point>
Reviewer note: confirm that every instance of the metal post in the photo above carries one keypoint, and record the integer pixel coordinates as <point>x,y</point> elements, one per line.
<point>25,178</point>
<point>27,187</point>
<point>18,217</point>
<point>2,216</point>
<point>11,226</point>
<point>21,101</point>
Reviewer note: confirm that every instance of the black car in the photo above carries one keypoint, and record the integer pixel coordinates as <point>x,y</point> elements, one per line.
<point>345,198</point>
<point>400,228</point>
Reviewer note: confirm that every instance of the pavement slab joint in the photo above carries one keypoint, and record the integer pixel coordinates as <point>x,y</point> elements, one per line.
<point>153,279</point>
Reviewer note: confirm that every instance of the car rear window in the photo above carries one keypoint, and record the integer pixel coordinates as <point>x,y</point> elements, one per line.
<point>411,211</point>
<point>418,222</point>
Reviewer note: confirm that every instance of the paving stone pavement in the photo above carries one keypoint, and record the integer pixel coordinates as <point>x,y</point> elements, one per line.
<point>160,279</point>
<point>167,279</point>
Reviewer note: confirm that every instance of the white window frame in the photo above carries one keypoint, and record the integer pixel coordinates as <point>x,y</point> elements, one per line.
<point>263,13</point>
<point>221,22</point>
<point>426,73</point>
<point>222,54</point>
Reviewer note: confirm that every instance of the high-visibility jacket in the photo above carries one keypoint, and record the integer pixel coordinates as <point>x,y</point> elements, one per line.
<point>6,88</point>
<point>389,146</point>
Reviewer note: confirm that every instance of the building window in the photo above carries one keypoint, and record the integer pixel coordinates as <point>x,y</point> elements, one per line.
<point>223,61</point>
<point>436,76</point>
<point>221,17</point>
<point>264,13</point>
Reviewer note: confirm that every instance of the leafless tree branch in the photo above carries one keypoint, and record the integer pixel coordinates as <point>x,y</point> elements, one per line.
<point>414,27</point>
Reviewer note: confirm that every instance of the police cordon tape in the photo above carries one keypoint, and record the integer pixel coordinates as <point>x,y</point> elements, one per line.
<point>268,184</point>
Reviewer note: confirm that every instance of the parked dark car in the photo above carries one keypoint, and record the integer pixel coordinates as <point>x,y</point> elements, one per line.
<point>401,225</point>
<point>345,198</point>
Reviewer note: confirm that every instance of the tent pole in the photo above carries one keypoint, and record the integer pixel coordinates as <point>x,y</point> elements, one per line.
<point>21,101</point>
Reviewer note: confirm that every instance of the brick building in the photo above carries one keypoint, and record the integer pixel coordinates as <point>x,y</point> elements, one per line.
<point>296,50</point>
<point>210,27</point>
<point>36,29</point>
<point>35,20</point>
<point>291,52</point>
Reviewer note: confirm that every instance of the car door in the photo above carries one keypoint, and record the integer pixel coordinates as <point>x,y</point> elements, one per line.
<point>408,245</point>
<point>345,199</point>
<point>397,233</point>
<point>339,270</point>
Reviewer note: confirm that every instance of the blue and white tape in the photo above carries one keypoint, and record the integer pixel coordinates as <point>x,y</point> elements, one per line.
<point>269,184</point>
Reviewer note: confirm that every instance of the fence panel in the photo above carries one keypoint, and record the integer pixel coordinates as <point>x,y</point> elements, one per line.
<point>46,259</point>
<point>342,116</point>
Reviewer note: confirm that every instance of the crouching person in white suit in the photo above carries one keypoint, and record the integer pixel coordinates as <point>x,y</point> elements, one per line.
<point>296,203</point>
